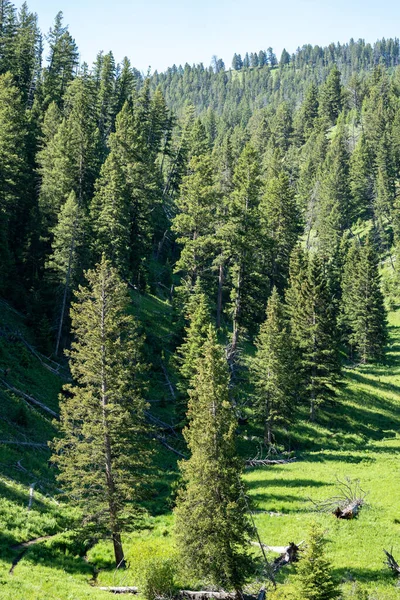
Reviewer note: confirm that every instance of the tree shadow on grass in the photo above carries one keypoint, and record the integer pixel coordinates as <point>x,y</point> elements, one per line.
<point>290,483</point>
<point>21,498</point>
<point>263,498</point>
<point>342,458</point>
<point>49,556</point>
<point>363,575</point>
<point>381,386</point>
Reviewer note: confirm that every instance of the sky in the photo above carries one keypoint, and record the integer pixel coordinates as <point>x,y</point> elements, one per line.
<point>160,33</point>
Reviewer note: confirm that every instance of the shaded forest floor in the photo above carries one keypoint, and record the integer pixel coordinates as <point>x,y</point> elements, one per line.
<point>358,437</point>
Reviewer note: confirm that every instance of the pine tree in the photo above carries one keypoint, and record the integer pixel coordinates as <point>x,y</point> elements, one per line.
<point>129,189</point>
<point>62,62</point>
<point>211,522</point>
<point>362,178</point>
<point>69,160</point>
<point>363,310</point>
<point>195,221</point>
<point>285,58</point>
<point>28,41</point>
<point>102,453</point>
<point>279,219</point>
<point>240,238</point>
<point>385,188</point>
<point>282,127</point>
<point>331,97</point>
<point>8,28</point>
<point>14,195</point>
<point>67,260</point>
<point>313,328</point>
<point>111,214</point>
<point>314,570</point>
<point>335,210</point>
<point>106,98</point>
<point>272,60</point>
<point>125,84</point>
<point>273,369</point>
<point>306,117</point>
<point>198,317</point>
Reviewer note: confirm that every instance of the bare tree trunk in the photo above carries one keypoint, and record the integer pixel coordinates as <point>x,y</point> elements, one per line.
<point>268,433</point>
<point>236,313</point>
<point>312,410</point>
<point>65,294</point>
<point>219,300</point>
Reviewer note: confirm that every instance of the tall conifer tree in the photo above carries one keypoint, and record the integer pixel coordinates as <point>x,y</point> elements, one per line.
<point>273,369</point>
<point>363,310</point>
<point>102,453</point>
<point>211,522</point>
<point>313,328</point>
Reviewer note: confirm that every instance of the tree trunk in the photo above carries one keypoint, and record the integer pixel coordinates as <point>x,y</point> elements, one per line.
<point>219,300</point>
<point>66,287</point>
<point>65,294</point>
<point>236,314</point>
<point>114,527</point>
<point>118,551</point>
<point>268,433</point>
<point>312,410</point>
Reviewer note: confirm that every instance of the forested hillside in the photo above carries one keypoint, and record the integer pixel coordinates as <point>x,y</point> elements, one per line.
<point>199,322</point>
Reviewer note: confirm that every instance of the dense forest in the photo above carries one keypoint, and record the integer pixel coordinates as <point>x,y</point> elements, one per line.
<point>201,259</point>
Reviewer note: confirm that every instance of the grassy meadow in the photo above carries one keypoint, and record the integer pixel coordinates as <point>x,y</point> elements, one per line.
<point>358,437</point>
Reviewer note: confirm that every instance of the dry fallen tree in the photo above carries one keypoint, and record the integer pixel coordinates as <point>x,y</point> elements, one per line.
<point>120,590</point>
<point>391,563</point>
<point>348,501</point>
<point>264,462</point>
<point>271,457</point>
<point>287,554</point>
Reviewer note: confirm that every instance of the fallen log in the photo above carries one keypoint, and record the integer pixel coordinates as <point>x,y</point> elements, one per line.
<point>205,595</point>
<point>392,563</point>
<point>119,590</point>
<point>162,441</point>
<point>350,511</point>
<point>289,556</point>
<point>29,444</point>
<point>264,462</point>
<point>347,503</point>
<point>30,399</point>
<point>169,384</point>
<point>160,424</point>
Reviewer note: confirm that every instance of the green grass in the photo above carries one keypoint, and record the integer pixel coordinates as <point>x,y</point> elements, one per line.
<point>357,437</point>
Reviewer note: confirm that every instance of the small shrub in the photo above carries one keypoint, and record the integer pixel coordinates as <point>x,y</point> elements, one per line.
<point>160,579</point>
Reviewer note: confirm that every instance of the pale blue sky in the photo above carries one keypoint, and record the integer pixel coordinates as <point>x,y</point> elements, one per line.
<point>159,33</point>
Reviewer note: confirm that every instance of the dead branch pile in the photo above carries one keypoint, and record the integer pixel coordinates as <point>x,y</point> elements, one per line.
<point>206,595</point>
<point>268,455</point>
<point>263,462</point>
<point>391,563</point>
<point>120,590</point>
<point>348,501</point>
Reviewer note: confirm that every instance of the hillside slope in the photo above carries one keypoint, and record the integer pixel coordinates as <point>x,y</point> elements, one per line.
<point>357,438</point>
